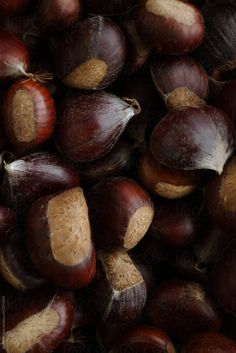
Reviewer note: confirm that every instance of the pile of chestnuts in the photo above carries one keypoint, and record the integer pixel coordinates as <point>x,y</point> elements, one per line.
<point>117,176</point>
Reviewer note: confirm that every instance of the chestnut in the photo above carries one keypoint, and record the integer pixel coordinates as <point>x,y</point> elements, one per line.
<point>91,56</point>
<point>210,342</point>
<point>15,264</point>
<point>89,125</point>
<point>110,7</point>
<point>119,290</point>
<point>7,222</point>
<point>120,212</point>
<point>172,27</point>
<point>183,309</point>
<point>59,240</point>
<point>29,114</point>
<point>164,181</point>
<point>48,172</point>
<point>40,326</point>
<point>181,81</point>
<point>193,138</point>
<point>143,339</point>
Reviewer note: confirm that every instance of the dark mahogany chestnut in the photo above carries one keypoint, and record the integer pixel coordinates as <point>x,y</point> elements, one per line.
<point>59,239</point>
<point>15,264</point>
<point>48,173</point>
<point>29,114</point>
<point>166,182</point>
<point>181,81</point>
<point>12,7</point>
<point>120,212</point>
<point>183,309</point>
<point>143,339</point>
<point>41,326</point>
<point>109,7</point>
<point>119,290</point>
<point>92,55</point>
<point>7,222</point>
<point>89,125</point>
<point>225,271</point>
<point>171,27</point>
<point>210,342</point>
<point>193,138</point>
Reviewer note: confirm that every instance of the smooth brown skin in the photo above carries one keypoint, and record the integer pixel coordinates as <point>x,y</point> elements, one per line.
<point>11,7</point>
<point>44,112</point>
<point>38,242</point>
<point>225,272</point>
<point>60,301</point>
<point>119,197</point>
<point>210,343</point>
<point>7,222</point>
<point>183,309</point>
<point>109,7</point>
<point>166,35</point>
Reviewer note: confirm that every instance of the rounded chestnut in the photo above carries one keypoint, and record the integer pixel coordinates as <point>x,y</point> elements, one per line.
<point>183,309</point>
<point>12,7</point>
<point>91,56</point>
<point>59,240</point>
<point>193,138</point>
<point>7,222</point>
<point>172,27</point>
<point>120,212</point>
<point>210,342</point>
<point>89,125</point>
<point>29,114</point>
<point>109,7</point>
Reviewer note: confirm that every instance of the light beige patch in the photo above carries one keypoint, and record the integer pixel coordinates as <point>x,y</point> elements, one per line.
<point>183,97</point>
<point>170,191</point>
<point>30,331</point>
<point>227,191</point>
<point>173,9</point>
<point>23,116</point>
<point>8,275</point>
<point>120,270</point>
<point>138,226</point>
<point>87,75</point>
<point>68,220</point>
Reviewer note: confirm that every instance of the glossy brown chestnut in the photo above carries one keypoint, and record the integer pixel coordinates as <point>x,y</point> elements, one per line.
<point>119,290</point>
<point>49,174</point>
<point>211,343</point>
<point>29,114</point>
<point>59,239</point>
<point>92,55</point>
<point>15,264</point>
<point>110,7</point>
<point>7,222</point>
<point>89,125</point>
<point>225,272</point>
<point>11,7</point>
<point>166,182</point>
<point>193,138</point>
<point>40,326</point>
<point>120,212</point>
<point>143,339</point>
<point>181,81</point>
<point>171,27</point>
<point>221,198</point>
<point>183,309</point>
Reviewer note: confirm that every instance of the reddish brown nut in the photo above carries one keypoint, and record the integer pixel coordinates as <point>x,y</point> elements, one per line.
<point>15,264</point>
<point>119,290</point>
<point>170,26</point>
<point>166,182</point>
<point>40,326</point>
<point>183,309</point>
<point>91,56</point>
<point>120,212</point>
<point>193,138</point>
<point>211,343</point>
<point>7,222</point>
<point>59,239</point>
<point>29,114</point>
<point>110,7</point>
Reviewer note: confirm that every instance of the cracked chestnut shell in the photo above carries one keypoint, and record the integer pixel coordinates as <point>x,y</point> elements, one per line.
<point>210,342</point>
<point>59,240</point>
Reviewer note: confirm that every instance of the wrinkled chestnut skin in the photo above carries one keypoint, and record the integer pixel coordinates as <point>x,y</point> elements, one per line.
<point>211,343</point>
<point>182,309</point>
<point>224,279</point>
<point>7,222</point>
<point>109,7</point>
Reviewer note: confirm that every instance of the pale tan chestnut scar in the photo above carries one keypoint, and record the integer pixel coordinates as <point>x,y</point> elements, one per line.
<point>170,191</point>
<point>23,116</point>
<point>69,228</point>
<point>120,270</point>
<point>30,331</point>
<point>228,187</point>
<point>183,97</point>
<point>138,226</point>
<point>87,75</point>
<point>8,275</point>
<point>172,9</point>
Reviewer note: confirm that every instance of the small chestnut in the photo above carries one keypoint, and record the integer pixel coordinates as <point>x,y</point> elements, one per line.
<point>210,342</point>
